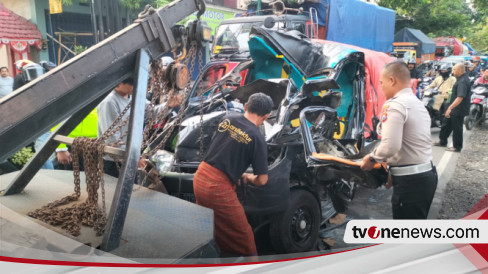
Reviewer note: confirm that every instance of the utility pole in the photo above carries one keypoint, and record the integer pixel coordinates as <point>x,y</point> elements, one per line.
<point>100,20</point>
<point>94,21</point>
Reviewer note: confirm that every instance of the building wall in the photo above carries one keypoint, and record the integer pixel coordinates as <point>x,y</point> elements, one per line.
<point>35,11</point>
<point>20,7</point>
<point>242,4</point>
<point>4,58</point>
<point>39,9</point>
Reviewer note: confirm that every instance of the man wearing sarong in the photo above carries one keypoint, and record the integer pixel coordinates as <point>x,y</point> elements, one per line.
<point>236,145</point>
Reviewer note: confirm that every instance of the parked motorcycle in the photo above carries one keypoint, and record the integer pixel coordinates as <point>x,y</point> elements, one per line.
<point>428,98</point>
<point>478,109</point>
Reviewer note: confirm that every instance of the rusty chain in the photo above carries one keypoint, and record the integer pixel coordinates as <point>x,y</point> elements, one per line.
<point>179,117</point>
<point>201,109</point>
<point>87,213</point>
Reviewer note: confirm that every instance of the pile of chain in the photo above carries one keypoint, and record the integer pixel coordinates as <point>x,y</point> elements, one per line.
<point>87,213</point>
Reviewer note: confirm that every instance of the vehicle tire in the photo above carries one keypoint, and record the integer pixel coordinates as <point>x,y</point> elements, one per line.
<point>296,229</point>
<point>468,122</point>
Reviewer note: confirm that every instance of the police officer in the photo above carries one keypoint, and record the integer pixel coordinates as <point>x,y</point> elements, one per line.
<point>405,146</point>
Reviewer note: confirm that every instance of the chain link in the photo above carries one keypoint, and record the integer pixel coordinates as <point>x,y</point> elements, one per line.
<point>87,213</point>
<point>179,117</point>
<point>201,108</point>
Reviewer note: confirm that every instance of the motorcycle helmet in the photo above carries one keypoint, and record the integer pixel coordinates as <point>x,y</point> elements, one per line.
<point>445,70</point>
<point>31,72</point>
<point>19,64</point>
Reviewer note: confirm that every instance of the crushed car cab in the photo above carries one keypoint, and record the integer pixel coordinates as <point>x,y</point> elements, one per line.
<point>326,101</point>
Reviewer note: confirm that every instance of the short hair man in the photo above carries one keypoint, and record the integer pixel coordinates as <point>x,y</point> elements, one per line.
<point>236,145</point>
<point>456,111</point>
<point>108,111</point>
<point>6,82</point>
<point>405,146</point>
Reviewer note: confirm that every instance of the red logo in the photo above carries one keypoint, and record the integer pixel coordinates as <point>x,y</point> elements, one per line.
<point>373,232</point>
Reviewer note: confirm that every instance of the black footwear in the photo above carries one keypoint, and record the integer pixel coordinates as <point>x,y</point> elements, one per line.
<point>452,149</point>
<point>439,144</point>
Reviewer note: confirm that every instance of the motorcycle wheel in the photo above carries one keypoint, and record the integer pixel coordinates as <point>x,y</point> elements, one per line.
<point>296,229</point>
<point>469,122</point>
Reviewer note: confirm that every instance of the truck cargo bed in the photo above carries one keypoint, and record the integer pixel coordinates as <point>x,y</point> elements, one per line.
<point>157,225</point>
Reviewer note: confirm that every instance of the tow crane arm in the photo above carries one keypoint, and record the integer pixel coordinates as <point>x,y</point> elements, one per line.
<point>76,87</point>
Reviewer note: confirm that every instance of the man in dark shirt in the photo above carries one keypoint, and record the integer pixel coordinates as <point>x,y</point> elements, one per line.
<point>236,145</point>
<point>414,72</point>
<point>459,107</point>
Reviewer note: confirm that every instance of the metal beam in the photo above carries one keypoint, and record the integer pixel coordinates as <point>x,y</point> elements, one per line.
<point>33,166</point>
<point>108,150</point>
<point>38,106</point>
<point>127,177</point>
<point>40,116</point>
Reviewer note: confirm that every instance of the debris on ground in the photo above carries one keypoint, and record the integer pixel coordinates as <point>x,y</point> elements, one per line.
<point>329,241</point>
<point>338,219</point>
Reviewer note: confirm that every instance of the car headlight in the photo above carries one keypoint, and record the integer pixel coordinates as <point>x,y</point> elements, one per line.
<point>163,161</point>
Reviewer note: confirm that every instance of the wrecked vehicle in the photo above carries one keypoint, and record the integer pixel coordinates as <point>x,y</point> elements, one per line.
<point>326,101</point>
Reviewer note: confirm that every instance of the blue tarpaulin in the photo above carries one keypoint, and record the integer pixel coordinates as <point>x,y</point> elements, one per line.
<point>361,24</point>
<point>426,45</point>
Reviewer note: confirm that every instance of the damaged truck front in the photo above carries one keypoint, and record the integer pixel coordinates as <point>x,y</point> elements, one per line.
<point>326,98</point>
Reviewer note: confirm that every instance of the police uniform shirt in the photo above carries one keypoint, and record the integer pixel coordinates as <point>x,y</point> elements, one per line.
<point>405,131</point>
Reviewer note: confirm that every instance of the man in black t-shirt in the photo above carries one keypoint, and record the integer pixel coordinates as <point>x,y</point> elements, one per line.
<point>236,145</point>
<point>459,107</point>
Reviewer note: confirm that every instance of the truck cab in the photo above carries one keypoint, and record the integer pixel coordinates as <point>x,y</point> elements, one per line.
<point>232,35</point>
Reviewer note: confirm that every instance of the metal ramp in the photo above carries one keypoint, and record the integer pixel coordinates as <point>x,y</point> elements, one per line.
<point>73,89</point>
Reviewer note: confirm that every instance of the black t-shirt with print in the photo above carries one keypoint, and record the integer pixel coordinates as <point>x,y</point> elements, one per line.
<point>236,145</point>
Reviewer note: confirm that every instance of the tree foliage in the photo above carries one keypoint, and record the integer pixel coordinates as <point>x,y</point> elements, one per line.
<point>480,5</point>
<point>444,18</point>
<point>402,7</point>
<point>478,39</point>
<point>441,18</point>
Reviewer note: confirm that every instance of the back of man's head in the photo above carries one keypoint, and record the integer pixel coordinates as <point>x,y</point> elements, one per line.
<point>398,70</point>
<point>129,81</point>
<point>260,104</point>
<point>460,68</point>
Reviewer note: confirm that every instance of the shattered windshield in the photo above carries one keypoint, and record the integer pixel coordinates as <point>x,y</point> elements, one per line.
<point>231,38</point>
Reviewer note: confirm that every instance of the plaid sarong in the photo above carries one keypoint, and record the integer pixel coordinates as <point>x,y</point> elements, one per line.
<point>214,190</point>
